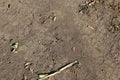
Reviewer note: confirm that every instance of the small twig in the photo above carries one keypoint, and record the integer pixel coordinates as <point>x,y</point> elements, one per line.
<point>91,27</point>
<point>60,70</point>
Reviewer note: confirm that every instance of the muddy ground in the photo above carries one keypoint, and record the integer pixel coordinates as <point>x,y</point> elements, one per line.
<point>52,33</point>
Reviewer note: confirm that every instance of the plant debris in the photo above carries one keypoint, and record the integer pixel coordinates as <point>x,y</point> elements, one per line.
<point>44,18</point>
<point>92,2</point>
<point>115,24</point>
<point>14,47</point>
<point>89,1</point>
<point>28,66</point>
<point>83,9</point>
<point>74,49</point>
<point>25,77</point>
<point>53,17</point>
<point>115,6</point>
<point>91,27</point>
<point>47,75</point>
<point>77,65</point>
<point>42,75</point>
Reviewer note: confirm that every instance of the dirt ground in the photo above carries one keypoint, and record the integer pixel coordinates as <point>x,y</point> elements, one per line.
<point>52,33</point>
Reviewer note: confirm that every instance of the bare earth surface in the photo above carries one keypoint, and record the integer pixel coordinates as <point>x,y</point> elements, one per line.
<point>51,43</point>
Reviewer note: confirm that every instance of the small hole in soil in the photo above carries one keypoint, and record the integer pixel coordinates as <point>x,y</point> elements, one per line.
<point>9,5</point>
<point>33,52</point>
<point>102,70</point>
<point>9,62</point>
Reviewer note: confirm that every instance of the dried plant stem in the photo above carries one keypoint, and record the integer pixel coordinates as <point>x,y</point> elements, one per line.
<point>60,70</point>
